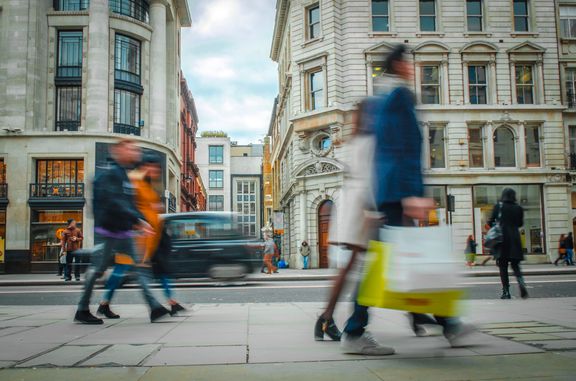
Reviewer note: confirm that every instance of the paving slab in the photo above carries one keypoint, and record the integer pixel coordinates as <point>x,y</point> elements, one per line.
<point>531,337</point>
<point>549,329</point>
<point>505,331</point>
<point>198,356</point>
<point>64,356</point>
<point>555,344</point>
<point>62,332</point>
<point>10,351</point>
<point>122,355</point>
<point>512,324</point>
<point>565,335</point>
<point>6,364</point>
<point>129,331</point>
<point>12,330</point>
<point>76,374</point>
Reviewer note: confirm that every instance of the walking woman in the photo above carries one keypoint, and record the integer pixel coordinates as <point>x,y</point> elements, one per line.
<point>561,249</point>
<point>510,215</point>
<point>470,251</point>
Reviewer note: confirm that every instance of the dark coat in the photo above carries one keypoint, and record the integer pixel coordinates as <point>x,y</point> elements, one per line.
<point>569,242</point>
<point>161,259</point>
<point>512,220</point>
<point>113,203</point>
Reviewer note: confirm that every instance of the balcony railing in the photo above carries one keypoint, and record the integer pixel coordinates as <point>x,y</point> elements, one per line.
<point>127,129</point>
<point>67,125</point>
<point>69,72</point>
<point>71,5</point>
<point>136,9</point>
<point>126,76</point>
<point>3,191</point>
<point>56,190</point>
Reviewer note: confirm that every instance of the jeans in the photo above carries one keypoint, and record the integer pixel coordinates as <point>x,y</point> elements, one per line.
<point>569,256</point>
<point>356,324</point>
<point>503,266</point>
<point>78,259</point>
<point>305,260</point>
<point>103,259</point>
<point>114,282</point>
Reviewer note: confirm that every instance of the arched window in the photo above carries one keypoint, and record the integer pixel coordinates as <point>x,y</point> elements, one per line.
<point>504,148</point>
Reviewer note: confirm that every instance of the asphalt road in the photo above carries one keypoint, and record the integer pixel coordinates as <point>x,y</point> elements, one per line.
<point>552,286</point>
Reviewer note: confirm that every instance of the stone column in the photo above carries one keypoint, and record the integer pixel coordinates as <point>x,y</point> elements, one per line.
<point>492,85</point>
<point>98,68</point>
<point>488,137</point>
<point>158,71</point>
<point>303,225</point>
<point>466,83</point>
<point>520,140</point>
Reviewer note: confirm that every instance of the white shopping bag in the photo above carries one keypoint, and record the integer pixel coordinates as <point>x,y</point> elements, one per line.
<point>421,259</point>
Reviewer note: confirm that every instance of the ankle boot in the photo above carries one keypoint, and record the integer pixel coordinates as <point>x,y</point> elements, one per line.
<point>523,288</point>
<point>328,327</point>
<point>506,293</point>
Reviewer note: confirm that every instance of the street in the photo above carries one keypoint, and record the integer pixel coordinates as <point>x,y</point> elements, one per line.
<point>544,286</point>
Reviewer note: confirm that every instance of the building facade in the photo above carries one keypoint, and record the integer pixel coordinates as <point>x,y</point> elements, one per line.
<point>192,197</point>
<point>75,76</point>
<point>246,194</point>
<point>213,160</point>
<point>490,100</point>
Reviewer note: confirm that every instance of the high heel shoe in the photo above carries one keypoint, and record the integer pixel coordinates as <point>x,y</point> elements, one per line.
<point>326,327</point>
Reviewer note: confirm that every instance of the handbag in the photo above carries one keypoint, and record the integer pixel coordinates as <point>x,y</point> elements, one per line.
<point>494,237</point>
<point>62,257</point>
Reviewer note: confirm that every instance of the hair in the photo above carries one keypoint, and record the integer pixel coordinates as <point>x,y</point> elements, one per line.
<point>562,236</point>
<point>396,55</point>
<point>70,220</point>
<point>123,141</point>
<point>508,195</point>
<point>470,237</point>
<point>149,158</point>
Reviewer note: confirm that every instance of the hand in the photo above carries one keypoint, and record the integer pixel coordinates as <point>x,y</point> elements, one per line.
<point>145,228</point>
<point>73,239</point>
<point>417,207</point>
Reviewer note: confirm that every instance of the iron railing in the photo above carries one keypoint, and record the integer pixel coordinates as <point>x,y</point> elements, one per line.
<point>71,5</point>
<point>69,72</point>
<point>3,190</point>
<point>127,129</point>
<point>171,203</point>
<point>56,190</point>
<point>67,125</point>
<point>136,9</point>
<point>126,76</point>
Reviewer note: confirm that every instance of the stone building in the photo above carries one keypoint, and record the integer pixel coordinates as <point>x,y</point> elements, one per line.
<point>74,76</point>
<point>490,101</point>
<point>213,160</point>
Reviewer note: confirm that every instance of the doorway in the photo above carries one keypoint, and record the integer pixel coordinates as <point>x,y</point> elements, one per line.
<point>324,212</point>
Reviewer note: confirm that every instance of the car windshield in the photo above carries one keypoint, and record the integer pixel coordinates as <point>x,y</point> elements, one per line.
<point>202,228</point>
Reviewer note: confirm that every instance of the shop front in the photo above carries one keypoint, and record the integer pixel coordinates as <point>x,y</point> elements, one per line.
<point>529,197</point>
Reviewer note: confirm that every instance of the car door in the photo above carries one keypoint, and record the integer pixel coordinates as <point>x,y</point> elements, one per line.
<point>188,259</point>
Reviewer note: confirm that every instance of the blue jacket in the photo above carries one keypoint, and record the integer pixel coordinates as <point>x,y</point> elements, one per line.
<point>398,150</point>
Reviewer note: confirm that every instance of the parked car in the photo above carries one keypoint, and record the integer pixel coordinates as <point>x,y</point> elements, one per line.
<point>209,244</point>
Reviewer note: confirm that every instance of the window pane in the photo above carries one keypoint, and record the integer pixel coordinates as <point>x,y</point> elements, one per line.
<point>430,75</point>
<point>437,159</point>
<point>474,7</point>
<point>427,7</point>
<point>314,14</point>
<point>573,139</point>
<point>430,95</point>
<point>474,24</point>
<point>379,7</point>
<point>521,24</point>
<point>504,148</point>
<point>532,146</point>
<point>427,23</point>
<point>68,103</point>
<point>571,87</point>
<point>380,23</point>
<point>567,11</point>
<point>316,81</point>
<point>126,108</point>
<point>475,148</point>
<point>127,59</point>
<point>520,7</point>
<point>69,54</point>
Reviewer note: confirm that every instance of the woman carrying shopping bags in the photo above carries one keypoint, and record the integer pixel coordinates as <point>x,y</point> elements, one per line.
<point>561,249</point>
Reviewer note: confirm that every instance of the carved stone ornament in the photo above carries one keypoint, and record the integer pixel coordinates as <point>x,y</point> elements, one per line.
<point>319,168</point>
<point>303,144</point>
<point>556,178</point>
<point>321,144</point>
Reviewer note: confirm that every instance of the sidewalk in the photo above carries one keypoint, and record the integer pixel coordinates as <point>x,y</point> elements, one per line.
<point>519,340</point>
<point>284,275</point>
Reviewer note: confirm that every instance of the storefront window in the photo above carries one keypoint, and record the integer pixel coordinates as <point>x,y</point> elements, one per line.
<point>436,216</point>
<point>529,197</point>
<point>46,227</point>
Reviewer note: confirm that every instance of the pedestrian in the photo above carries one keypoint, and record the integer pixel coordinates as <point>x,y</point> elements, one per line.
<point>305,253</point>
<point>269,253</point>
<point>148,202</point>
<point>470,251</point>
<point>561,250</point>
<point>510,216</point>
<point>116,219</point>
<point>569,250</point>
<point>71,243</point>
<point>397,188</point>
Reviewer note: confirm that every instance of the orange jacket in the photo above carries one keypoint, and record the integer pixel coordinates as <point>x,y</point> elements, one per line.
<point>149,204</point>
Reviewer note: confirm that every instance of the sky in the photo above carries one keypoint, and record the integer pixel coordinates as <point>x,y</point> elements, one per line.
<point>226,62</point>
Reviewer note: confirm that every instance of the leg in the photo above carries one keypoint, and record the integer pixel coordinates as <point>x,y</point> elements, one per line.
<point>68,268</point>
<point>503,266</point>
<point>167,287</point>
<point>101,262</point>
<point>520,277</point>
<point>114,282</point>
<point>78,260</point>
<point>356,324</point>
<point>143,274</point>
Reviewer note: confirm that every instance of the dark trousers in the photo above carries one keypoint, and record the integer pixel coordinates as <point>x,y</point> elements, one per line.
<point>79,262</point>
<point>503,266</point>
<point>356,324</point>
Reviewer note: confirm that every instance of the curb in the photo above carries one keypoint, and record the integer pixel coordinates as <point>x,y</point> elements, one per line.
<point>184,282</point>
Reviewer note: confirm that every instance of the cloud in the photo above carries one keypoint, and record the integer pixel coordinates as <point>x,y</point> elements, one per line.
<point>225,59</point>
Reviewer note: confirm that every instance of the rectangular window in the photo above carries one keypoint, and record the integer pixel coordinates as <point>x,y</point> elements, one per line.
<point>315,90</point>
<point>246,206</point>
<point>44,227</point>
<point>313,21</point>
<point>69,58</point>
<point>568,21</point>
<point>216,203</point>
<point>216,179</point>
<point>570,82</point>
<point>474,15</point>
<point>56,171</point>
<point>475,147</point>
<point>427,15</point>
<point>216,154</point>
<point>68,108</point>
<point>430,84</point>
<point>477,85</point>
<point>533,146</point>
<point>437,154</point>
<point>71,5</point>
<point>379,79</point>
<point>524,84</point>
<point>521,16</point>
<point>380,16</point>
<point>126,112</point>
<point>127,59</point>
<point>572,143</point>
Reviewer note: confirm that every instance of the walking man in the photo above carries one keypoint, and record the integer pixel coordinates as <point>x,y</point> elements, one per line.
<point>569,250</point>
<point>269,253</point>
<point>117,219</point>
<point>71,242</point>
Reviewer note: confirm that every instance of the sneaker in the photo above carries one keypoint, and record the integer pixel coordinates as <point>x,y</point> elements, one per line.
<point>363,345</point>
<point>457,335</point>
<point>104,309</point>
<point>418,329</point>
<point>175,308</point>
<point>85,317</point>
<point>158,313</point>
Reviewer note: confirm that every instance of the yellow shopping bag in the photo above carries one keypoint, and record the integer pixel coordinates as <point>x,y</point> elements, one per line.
<point>374,289</point>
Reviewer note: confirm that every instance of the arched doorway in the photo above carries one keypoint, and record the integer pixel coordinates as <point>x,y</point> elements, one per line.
<point>324,211</point>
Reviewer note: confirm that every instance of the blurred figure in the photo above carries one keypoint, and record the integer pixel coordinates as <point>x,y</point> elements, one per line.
<point>305,253</point>
<point>116,219</point>
<point>510,250</point>
<point>71,242</point>
<point>269,253</point>
<point>569,250</point>
<point>561,249</point>
<point>470,251</point>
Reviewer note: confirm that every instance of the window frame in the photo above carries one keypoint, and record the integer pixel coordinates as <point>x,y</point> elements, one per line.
<point>531,85</point>
<point>480,16</point>
<point>310,92</point>
<point>434,127</point>
<point>67,124</point>
<point>570,85</point>
<point>438,85</point>
<point>308,22</point>
<point>435,17</point>
<point>477,85</point>
<point>217,180</point>
<point>481,131</point>
<point>210,155</point>
<point>122,72</point>
<point>514,143</point>
<point>538,142</point>
<point>76,70</point>
<point>387,16</point>
<point>527,16</point>
<point>570,19</point>
<point>216,202</point>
